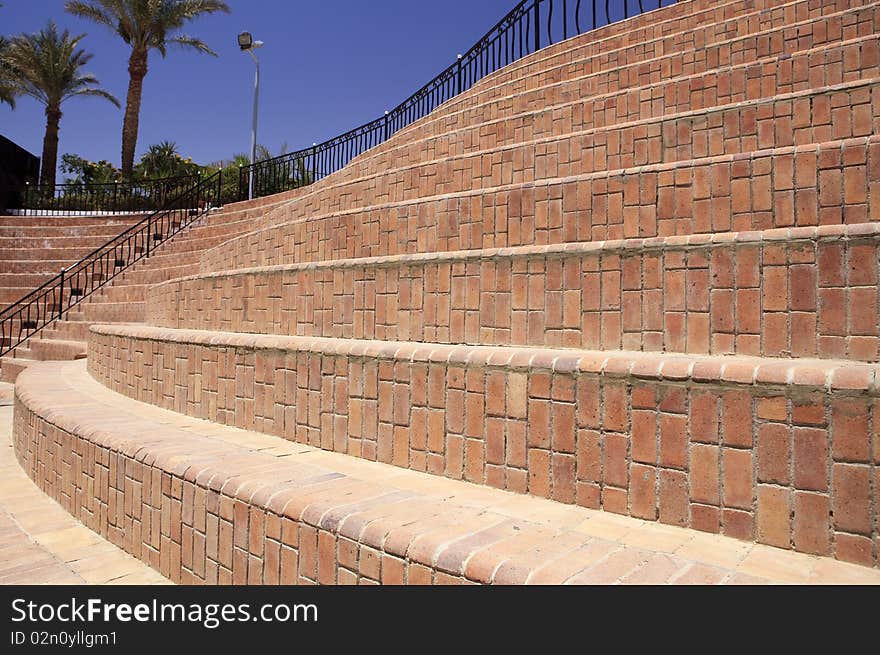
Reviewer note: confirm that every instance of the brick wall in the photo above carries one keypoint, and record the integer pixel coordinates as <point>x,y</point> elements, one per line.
<point>761,449</point>
<point>807,292</point>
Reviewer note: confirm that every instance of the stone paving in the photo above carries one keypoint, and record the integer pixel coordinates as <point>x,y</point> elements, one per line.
<point>40,543</point>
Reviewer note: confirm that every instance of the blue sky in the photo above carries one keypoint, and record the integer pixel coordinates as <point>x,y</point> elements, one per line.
<point>327,66</point>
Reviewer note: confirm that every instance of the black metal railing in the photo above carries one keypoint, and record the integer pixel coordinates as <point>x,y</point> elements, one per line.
<point>113,197</point>
<point>529,27</point>
<point>77,282</point>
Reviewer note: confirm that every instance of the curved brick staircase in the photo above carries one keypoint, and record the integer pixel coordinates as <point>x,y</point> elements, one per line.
<point>34,249</point>
<point>123,299</point>
<point>635,272</point>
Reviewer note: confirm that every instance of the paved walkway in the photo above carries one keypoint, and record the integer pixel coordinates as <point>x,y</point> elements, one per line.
<point>40,543</point>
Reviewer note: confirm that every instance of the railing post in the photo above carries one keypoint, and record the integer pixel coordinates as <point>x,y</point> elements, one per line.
<point>386,126</point>
<point>458,77</point>
<point>537,25</point>
<point>116,195</point>
<point>149,232</point>
<point>240,173</point>
<point>564,19</point>
<point>61,296</point>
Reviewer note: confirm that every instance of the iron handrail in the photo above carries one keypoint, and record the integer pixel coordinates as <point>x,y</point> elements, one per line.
<point>529,27</point>
<point>72,285</point>
<point>111,197</point>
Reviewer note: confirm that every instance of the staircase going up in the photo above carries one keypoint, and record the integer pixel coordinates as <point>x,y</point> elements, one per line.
<point>609,315</point>
<point>122,299</point>
<point>34,249</point>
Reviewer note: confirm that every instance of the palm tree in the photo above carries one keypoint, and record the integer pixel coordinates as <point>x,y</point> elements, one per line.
<point>7,90</point>
<point>159,161</point>
<point>46,66</point>
<point>145,25</point>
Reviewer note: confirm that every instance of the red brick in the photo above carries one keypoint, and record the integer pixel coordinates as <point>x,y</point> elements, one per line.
<point>849,431</point>
<point>774,516</point>
<point>737,418</point>
<point>738,489</point>
<point>673,441</point>
<point>812,523</point>
<point>774,453</point>
<point>615,468</point>
<point>643,480</point>
<point>703,417</point>
<point>644,436</point>
<point>738,524</point>
<point>705,518</point>
<point>673,497</point>
<point>810,459</point>
<point>853,548</point>
<point>705,474</point>
<point>615,400</point>
<point>851,498</point>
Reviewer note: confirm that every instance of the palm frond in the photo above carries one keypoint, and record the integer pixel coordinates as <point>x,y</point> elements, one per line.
<point>94,13</point>
<point>7,90</point>
<point>149,24</point>
<point>185,41</point>
<point>98,93</point>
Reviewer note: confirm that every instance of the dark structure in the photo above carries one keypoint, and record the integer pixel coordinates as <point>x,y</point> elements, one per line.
<point>17,166</point>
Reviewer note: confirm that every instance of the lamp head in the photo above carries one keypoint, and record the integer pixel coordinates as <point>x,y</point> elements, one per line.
<point>245,41</point>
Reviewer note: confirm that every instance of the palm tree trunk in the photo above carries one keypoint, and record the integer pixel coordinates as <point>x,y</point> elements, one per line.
<point>137,70</point>
<point>50,146</point>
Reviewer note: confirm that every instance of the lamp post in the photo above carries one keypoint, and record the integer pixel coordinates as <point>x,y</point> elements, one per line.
<point>247,44</point>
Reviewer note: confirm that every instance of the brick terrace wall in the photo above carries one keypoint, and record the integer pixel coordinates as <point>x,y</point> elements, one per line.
<point>360,197</point>
<point>806,292</point>
<point>737,447</point>
<point>717,194</point>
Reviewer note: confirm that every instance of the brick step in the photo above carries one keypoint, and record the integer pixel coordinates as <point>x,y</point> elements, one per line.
<point>186,244</point>
<point>67,330</point>
<point>326,518</point>
<point>9,295</point>
<point>111,312</point>
<point>122,293</point>
<point>792,186</point>
<point>702,442</point>
<point>51,242</point>
<point>514,154</point>
<point>34,266</point>
<point>15,293</point>
<point>803,292</point>
<point>21,352</point>
<point>98,232</point>
<point>11,368</point>
<point>168,258</point>
<point>629,72</point>
<point>57,350</point>
<point>562,108</point>
<point>776,45</point>
<point>86,221</point>
<point>54,253</point>
<point>29,281</point>
<point>754,20</point>
<point>222,231</point>
<point>145,274</point>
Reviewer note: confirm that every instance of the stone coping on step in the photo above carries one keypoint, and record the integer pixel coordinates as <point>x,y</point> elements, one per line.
<point>826,375</point>
<point>784,235</point>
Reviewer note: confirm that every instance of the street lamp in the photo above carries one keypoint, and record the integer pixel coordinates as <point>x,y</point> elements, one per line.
<point>247,44</point>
